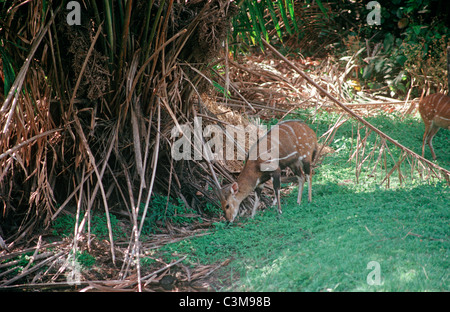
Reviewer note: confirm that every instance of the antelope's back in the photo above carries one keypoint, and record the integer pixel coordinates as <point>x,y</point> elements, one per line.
<point>298,137</point>
<point>286,141</point>
<point>433,106</point>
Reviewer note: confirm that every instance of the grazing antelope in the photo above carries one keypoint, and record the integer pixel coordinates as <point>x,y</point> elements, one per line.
<point>295,146</point>
<point>435,112</point>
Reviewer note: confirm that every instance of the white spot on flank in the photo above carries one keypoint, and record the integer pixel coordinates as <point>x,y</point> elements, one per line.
<point>282,158</point>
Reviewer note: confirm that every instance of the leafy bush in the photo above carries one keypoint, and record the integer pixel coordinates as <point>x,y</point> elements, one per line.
<point>426,56</point>
<point>406,50</point>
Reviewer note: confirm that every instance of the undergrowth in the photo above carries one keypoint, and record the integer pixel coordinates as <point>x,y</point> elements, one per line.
<point>165,210</point>
<point>65,225</point>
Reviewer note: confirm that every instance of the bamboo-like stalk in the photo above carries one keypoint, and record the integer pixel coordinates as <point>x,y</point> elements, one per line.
<point>124,39</point>
<point>99,179</point>
<point>109,29</point>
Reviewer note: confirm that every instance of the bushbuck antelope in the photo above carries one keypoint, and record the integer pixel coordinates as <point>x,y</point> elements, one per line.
<point>435,112</point>
<point>294,145</point>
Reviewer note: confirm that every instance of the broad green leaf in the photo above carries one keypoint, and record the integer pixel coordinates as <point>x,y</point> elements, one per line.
<point>322,8</point>
<point>284,16</point>
<point>274,18</point>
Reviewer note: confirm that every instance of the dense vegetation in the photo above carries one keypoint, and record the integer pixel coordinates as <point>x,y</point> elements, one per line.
<point>90,93</point>
<point>405,52</point>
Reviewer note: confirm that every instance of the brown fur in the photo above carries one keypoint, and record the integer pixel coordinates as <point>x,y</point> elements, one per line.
<point>297,148</point>
<point>435,112</point>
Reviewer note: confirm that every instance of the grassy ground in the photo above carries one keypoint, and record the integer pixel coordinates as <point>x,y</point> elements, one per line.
<point>329,244</point>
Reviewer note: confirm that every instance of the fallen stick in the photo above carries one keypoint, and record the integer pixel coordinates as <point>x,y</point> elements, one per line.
<point>162,269</point>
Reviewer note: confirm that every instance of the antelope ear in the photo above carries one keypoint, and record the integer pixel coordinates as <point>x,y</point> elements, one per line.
<point>234,188</point>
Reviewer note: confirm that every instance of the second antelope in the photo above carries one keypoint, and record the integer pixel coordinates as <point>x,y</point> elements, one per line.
<point>435,112</point>
<point>295,147</point>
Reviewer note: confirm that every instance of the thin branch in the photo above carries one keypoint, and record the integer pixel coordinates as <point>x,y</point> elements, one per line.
<point>26,142</point>
<point>91,48</point>
<point>99,178</point>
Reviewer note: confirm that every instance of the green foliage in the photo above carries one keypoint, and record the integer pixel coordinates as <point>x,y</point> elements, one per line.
<point>212,209</point>
<point>21,262</point>
<point>409,45</point>
<point>259,18</point>
<point>85,259</point>
<point>147,262</point>
<point>99,226</point>
<point>8,69</point>
<point>65,225</point>
<point>164,210</point>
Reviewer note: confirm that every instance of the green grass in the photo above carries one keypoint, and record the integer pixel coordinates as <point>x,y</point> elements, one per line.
<point>326,245</point>
<point>164,210</point>
<point>64,226</point>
